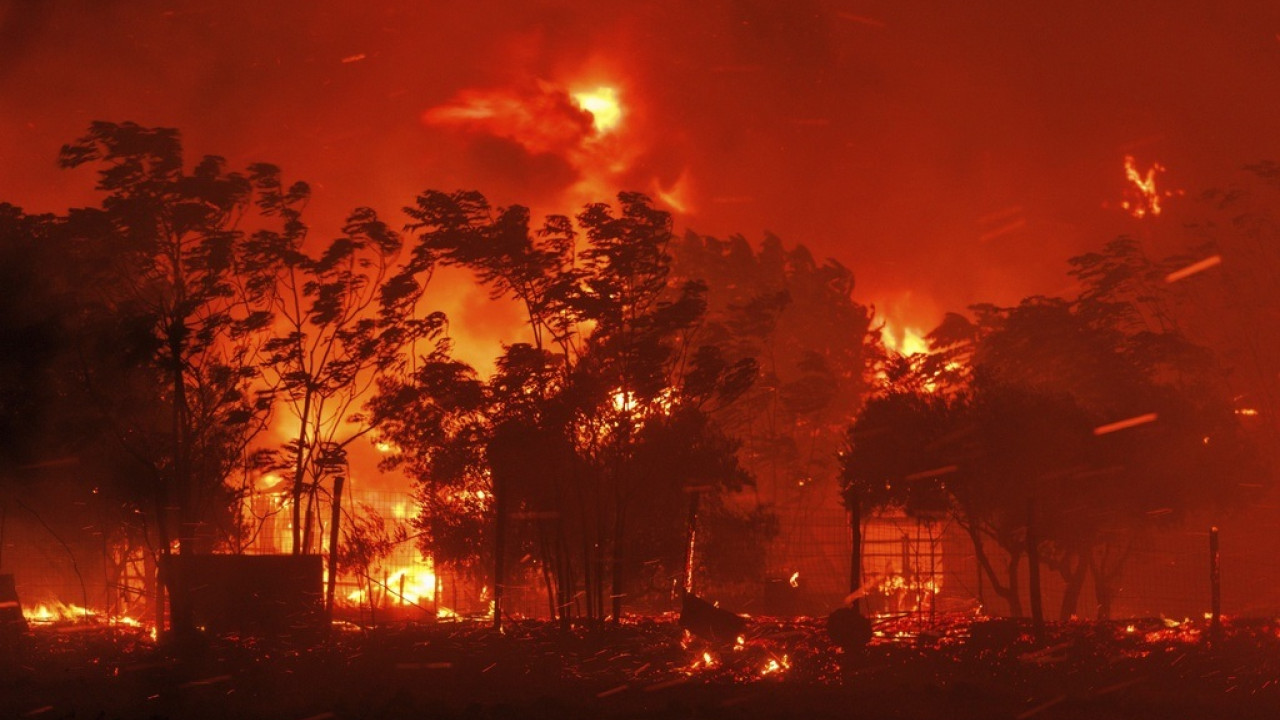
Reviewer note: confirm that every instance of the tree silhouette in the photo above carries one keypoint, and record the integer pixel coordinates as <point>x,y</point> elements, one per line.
<point>562,424</point>
<point>190,294</point>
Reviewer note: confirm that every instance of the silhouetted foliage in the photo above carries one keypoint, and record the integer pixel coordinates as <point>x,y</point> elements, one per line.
<point>562,443</point>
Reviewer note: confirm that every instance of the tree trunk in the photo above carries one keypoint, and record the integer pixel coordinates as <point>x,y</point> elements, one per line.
<point>499,549</point>
<point>1074,579</point>
<point>299,474</point>
<point>617,583</point>
<point>1033,571</point>
<point>1007,592</point>
<point>1013,593</point>
<point>691,540</point>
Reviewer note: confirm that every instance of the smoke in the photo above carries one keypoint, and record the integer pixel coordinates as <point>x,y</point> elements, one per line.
<point>879,133</point>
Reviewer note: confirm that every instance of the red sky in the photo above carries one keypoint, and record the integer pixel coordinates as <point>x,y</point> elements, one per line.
<point>893,136</point>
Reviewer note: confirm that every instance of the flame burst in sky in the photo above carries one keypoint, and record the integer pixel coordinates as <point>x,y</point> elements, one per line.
<point>1142,197</point>
<point>603,105</point>
<point>583,130</point>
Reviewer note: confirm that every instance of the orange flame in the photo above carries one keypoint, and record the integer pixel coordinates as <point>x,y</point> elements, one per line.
<point>1143,197</point>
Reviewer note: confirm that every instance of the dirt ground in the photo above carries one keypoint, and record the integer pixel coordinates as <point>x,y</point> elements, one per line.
<point>649,668</point>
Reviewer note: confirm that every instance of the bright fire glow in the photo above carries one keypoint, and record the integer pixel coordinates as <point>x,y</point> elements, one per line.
<point>795,579</point>
<point>603,105</point>
<point>776,665</point>
<point>53,611</point>
<point>904,341</point>
<point>1143,197</point>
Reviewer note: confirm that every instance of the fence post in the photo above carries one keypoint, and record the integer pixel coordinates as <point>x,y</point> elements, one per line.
<point>1215,580</point>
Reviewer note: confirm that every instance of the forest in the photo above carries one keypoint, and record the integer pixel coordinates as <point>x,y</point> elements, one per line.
<point>153,345</point>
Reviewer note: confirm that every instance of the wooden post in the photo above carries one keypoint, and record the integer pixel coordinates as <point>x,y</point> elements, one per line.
<point>855,556</point>
<point>499,548</point>
<point>1215,580</point>
<point>334,522</point>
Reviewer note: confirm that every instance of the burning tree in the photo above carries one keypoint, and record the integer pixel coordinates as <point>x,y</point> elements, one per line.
<point>1074,427</point>
<point>557,435</point>
<point>797,317</point>
<point>186,293</point>
<point>346,317</point>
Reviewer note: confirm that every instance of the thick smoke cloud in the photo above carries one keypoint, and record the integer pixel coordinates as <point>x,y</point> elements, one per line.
<point>948,152</point>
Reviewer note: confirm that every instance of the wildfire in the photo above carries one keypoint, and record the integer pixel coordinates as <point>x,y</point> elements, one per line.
<point>578,121</point>
<point>54,611</point>
<point>904,341</point>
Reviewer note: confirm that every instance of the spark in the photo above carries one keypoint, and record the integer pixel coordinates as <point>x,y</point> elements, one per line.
<point>1005,229</point>
<point>795,579</point>
<point>354,58</point>
<point>1123,424</point>
<point>1193,268</point>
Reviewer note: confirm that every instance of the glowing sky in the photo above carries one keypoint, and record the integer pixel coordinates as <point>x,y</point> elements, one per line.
<point>947,152</point>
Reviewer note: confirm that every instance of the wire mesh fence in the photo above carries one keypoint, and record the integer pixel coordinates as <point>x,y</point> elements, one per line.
<point>908,566</point>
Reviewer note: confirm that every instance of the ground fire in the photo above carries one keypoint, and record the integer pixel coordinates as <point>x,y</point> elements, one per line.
<point>752,359</point>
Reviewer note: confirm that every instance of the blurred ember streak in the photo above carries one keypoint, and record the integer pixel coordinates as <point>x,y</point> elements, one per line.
<point>926,474</point>
<point>860,19</point>
<point>795,579</point>
<point>1193,268</point>
<point>354,58</point>
<point>1005,229</point>
<point>1123,424</point>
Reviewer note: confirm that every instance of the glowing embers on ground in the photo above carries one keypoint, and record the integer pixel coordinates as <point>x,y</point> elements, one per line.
<point>54,612</point>
<point>1142,197</point>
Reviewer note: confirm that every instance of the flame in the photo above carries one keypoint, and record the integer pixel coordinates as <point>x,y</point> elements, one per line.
<point>1143,198</point>
<point>906,341</point>
<point>706,661</point>
<point>603,105</point>
<point>795,579</point>
<point>55,611</point>
<point>776,665</point>
<point>419,585</point>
